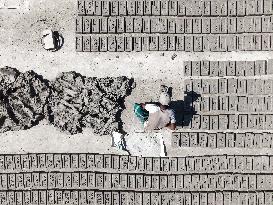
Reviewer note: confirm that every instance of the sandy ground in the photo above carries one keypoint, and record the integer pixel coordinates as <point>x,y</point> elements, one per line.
<point>20,47</point>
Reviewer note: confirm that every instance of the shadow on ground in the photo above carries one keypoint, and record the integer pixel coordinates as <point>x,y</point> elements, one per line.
<point>59,40</point>
<point>184,109</point>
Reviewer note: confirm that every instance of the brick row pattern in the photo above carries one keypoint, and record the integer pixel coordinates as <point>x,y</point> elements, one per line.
<point>229,122</point>
<point>174,7</point>
<point>222,140</point>
<point>231,104</point>
<point>164,42</point>
<point>228,68</point>
<point>227,97</point>
<point>81,179</point>
<point>136,182</point>
<point>91,197</point>
<point>230,86</point>
<point>130,164</point>
<point>174,25</point>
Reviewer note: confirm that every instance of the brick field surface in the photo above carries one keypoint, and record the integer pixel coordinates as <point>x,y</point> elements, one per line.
<point>217,57</point>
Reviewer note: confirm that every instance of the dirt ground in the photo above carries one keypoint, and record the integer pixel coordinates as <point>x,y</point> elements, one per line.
<point>20,47</point>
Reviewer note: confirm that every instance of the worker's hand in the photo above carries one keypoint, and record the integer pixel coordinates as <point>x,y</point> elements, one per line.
<point>171,126</point>
<point>142,105</point>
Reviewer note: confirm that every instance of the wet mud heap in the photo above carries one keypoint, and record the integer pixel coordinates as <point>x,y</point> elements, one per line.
<point>103,103</point>
<point>23,98</point>
<point>71,102</point>
<point>65,103</point>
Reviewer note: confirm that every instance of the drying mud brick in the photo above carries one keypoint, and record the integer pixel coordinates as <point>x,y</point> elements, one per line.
<point>217,26</point>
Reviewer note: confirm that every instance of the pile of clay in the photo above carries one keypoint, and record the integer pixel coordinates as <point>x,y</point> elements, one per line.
<point>71,102</point>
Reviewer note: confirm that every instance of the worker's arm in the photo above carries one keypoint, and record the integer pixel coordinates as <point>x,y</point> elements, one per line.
<point>171,126</point>
<point>143,105</point>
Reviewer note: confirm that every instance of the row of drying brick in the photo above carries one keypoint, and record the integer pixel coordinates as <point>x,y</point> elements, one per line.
<point>230,105</point>
<point>174,7</point>
<point>136,182</point>
<point>164,42</point>
<point>229,122</point>
<point>230,86</point>
<point>222,140</point>
<point>228,68</point>
<point>172,25</point>
<point>97,197</point>
<point>132,164</point>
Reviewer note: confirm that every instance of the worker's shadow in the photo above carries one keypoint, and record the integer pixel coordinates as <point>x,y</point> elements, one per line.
<point>59,40</point>
<point>184,110</point>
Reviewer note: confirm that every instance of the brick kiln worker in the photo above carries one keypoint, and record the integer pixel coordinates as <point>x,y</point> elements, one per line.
<point>156,116</point>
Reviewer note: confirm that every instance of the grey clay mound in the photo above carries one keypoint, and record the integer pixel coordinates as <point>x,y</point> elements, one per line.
<point>70,103</point>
